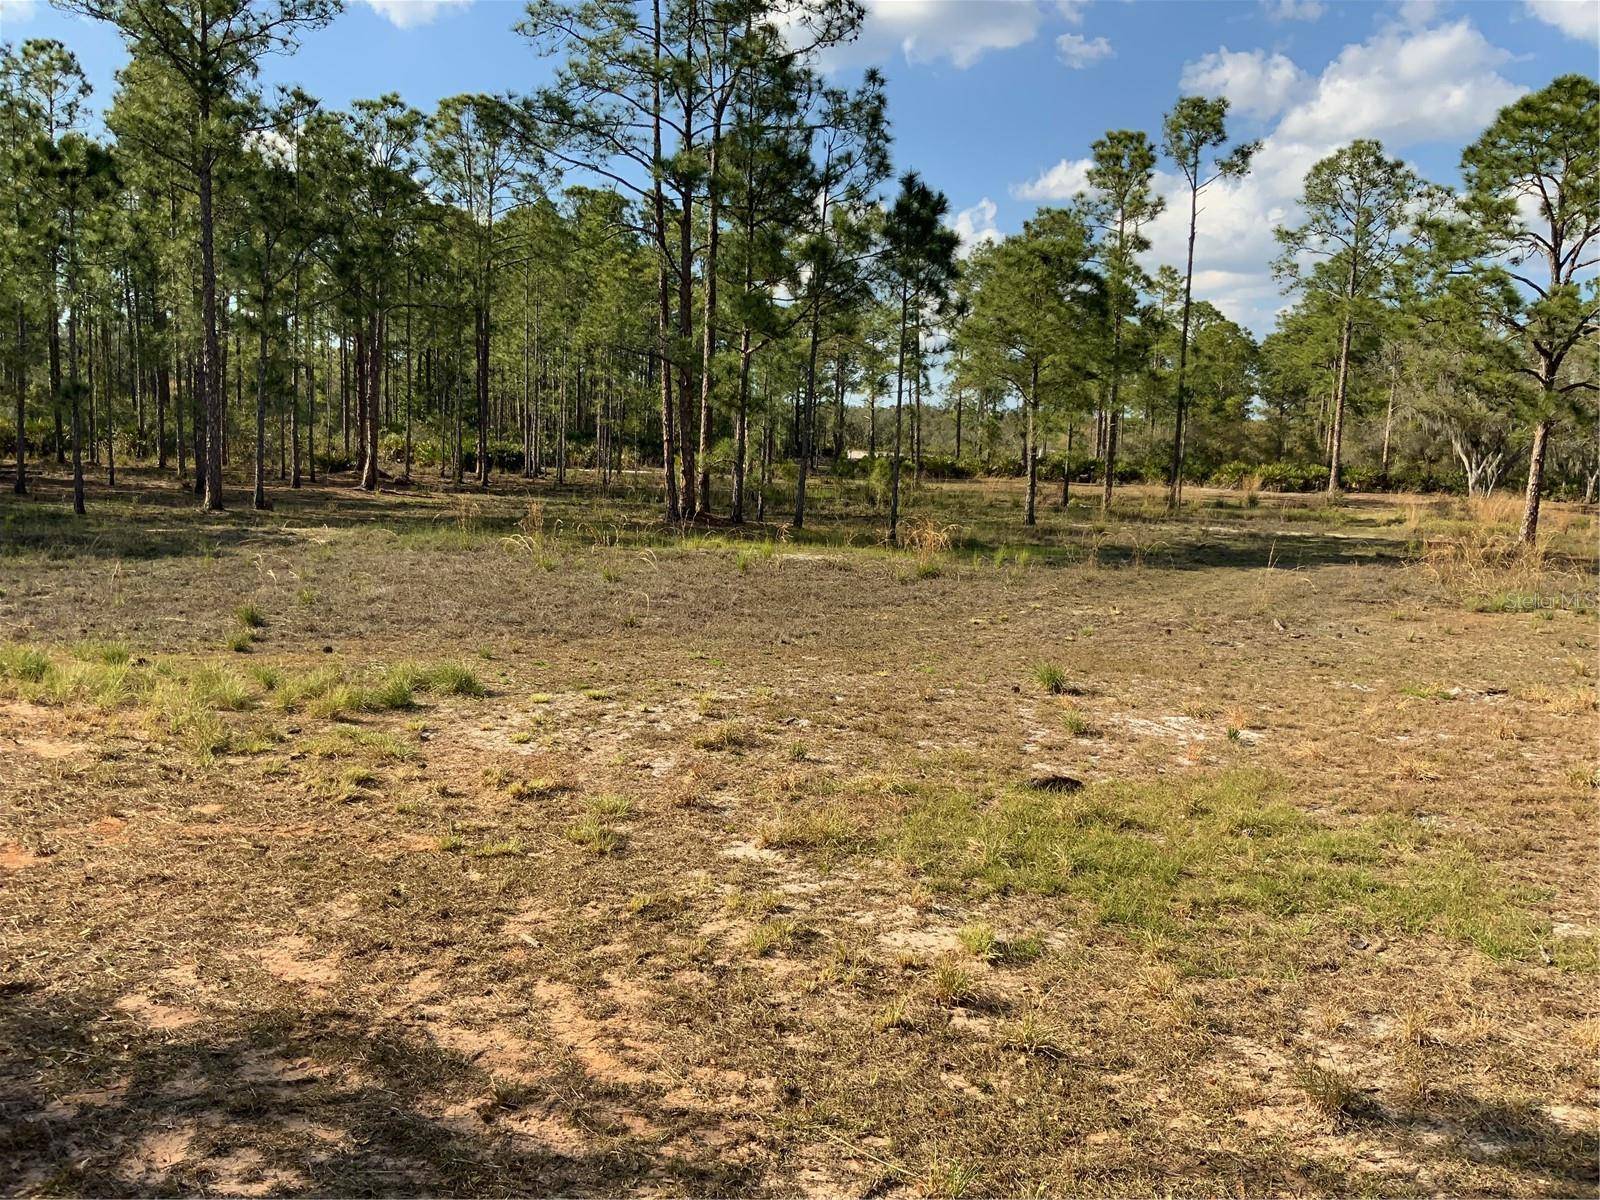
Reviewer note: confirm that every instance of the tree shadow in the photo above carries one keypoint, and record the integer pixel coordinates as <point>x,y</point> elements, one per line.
<point>314,1100</point>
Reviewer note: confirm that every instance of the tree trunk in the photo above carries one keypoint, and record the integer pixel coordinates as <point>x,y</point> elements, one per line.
<point>1175,473</point>
<point>72,386</point>
<point>259,500</point>
<point>741,430</point>
<point>1336,430</point>
<point>1029,450</point>
<point>20,484</point>
<point>899,405</point>
<point>210,384</point>
<point>709,318</point>
<point>808,399</point>
<point>1529,534</point>
<point>1066,471</point>
<point>481,389</point>
<point>1388,428</point>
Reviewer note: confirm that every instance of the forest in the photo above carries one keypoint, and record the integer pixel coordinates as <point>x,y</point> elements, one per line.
<point>599,640</point>
<point>692,255</point>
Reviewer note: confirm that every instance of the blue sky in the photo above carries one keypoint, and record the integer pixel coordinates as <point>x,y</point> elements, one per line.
<point>996,101</point>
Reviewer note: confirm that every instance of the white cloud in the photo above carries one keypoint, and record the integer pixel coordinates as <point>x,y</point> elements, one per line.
<point>1294,10</point>
<point>1404,86</point>
<point>925,31</point>
<point>959,32</point>
<point>1414,14</point>
<point>1256,83</point>
<point>976,226</point>
<point>1061,182</point>
<point>408,14</point>
<point>1078,51</point>
<point>16,10</point>
<point>1576,18</point>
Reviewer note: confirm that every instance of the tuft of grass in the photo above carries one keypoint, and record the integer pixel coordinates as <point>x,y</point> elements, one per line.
<point>1079,725</point>
<point>594,835</point>
<point>111,654</point>
<point>249,616</point>
<point>369,745</point>
<point>611,805</point>
<point>653,906</point>
<point>952,983</point>
<point>24,664</point>
<point>1331,1092</point>
<point>1036,1034</point>
<point>730,735</point>
<point>240,641</point>
<point>776,934</point>
<point>898,1013</point>
<point>1050,677</point>
<point>979,940</point>
<point>450,679</point>
<point>826,827</point>
<point>295,690</point>
<point>219,688</point>
<point>508,848</point>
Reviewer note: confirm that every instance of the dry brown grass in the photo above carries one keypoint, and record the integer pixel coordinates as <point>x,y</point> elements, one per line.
<point>602,930</point>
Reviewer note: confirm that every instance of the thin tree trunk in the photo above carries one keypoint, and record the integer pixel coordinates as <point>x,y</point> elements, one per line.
<point>72,386</point>
<point>1388,427</point>
<point>210,383</point>
<point>259,500</point>
<point>1029,449</point>
<point>1528,535</point>
<point>20,484</point>
<point>1175,474</point>
<point>899,404</point>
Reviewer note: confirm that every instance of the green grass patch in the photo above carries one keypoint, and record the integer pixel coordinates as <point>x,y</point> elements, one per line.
<point>1168,858</point>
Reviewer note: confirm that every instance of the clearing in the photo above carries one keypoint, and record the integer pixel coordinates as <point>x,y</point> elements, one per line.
<point>508,843</point>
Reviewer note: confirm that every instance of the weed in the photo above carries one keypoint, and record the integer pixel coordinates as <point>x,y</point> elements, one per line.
<point>594,835</point>
<point>979,940</point>
<point>611,805</point>
<point>776,934</point>
<point>728,736</point>
<point>827,827</point>
<point>898,1013</point>
<point>1331,1092</point>
<point>952,983</point>
<point>1051,678</point>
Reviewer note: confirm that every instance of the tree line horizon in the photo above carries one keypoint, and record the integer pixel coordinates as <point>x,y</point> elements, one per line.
<point>692,254</point>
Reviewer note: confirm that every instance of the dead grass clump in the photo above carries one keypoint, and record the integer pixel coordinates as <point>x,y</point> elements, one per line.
<point>828,827</point>
<point>368,745</point>
<point>771,936</point>
<point>1489,570</point>
<point>730,735</point>
<point>1331,1092</point>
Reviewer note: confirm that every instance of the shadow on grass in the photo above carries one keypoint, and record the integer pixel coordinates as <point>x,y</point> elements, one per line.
<point>1452,1124</point>
<point>308,1100</point>
<point>150,516</point>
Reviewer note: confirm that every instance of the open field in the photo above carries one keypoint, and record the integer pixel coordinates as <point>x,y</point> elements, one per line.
<point>509,843</point>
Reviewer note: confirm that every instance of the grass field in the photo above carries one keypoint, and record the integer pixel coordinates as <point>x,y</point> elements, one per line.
<point>509,843</point>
